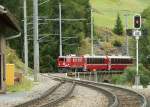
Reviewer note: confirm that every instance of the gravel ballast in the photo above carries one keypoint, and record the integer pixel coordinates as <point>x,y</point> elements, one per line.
<point>85,97</point>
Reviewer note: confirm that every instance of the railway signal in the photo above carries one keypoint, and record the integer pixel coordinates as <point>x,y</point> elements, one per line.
<point>137,22</point>
<point>137,34</point>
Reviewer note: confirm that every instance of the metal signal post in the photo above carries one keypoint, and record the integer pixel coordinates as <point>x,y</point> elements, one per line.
<point>137,34</point>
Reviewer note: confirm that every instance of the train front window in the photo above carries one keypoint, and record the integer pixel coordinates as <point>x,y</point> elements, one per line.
<point>61,59</point>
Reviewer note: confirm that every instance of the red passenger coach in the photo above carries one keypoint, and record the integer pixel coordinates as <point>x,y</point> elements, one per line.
<point>120,62</point>
<point>96,63</point>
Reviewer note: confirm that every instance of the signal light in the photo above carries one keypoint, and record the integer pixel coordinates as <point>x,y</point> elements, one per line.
<point>137,22</point>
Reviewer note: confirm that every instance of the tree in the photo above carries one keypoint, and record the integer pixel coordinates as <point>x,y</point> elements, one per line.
<point>118,29</point>
<point>49,45</point>
<point>144,42</point>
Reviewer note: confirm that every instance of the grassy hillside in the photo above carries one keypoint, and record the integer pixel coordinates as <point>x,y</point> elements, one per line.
<point>106,10</point>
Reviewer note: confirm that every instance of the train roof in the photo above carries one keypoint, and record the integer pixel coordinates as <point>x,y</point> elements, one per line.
<point>108,56</point>
<point>95,56</point>
<point>69,56</point>
<point>119,56</point>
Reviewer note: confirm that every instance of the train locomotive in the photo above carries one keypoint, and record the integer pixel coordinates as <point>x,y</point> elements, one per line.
<point>93,63</point>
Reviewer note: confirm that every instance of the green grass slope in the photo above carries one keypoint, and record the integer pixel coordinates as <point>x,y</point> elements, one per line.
<point>105,11</point>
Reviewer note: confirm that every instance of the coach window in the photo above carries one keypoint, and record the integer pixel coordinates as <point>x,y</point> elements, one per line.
<point>128,61</point>
<point>118,61</point>
<point>88,60</point>
<point>112,61</point>
<point>92,60</point>
<point>100,61</point>
<point>95,61</point>
<point>115,61</point>
<point>122,61</point>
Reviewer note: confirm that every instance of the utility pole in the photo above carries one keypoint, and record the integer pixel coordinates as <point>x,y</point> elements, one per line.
<point>60,26</point>
<point>60,31</point>
<point>126,27</point>
<point>36,40</point>
<point>25,37</point>
<point>92,50</point>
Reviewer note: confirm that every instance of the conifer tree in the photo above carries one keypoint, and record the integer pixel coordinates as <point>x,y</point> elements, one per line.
<point>118,29</point>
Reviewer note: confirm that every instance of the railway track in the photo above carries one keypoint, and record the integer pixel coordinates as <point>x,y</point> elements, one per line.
<point>117,96</point>
<point>123,97</point>
<point>112,98</point>
<point>52,96</point>
<point>60,92</point>
<point>126,98</point>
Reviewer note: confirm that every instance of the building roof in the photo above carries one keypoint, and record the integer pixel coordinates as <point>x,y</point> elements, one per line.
<point>7,19</point>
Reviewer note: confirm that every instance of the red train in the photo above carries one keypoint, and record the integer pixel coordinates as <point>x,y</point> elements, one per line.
<point>94,63</point>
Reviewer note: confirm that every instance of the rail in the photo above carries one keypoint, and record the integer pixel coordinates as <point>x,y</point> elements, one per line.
<point>142,97</point>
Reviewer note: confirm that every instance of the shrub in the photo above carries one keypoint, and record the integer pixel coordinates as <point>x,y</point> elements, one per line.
<point>129,76</point>
<point>117,43</point>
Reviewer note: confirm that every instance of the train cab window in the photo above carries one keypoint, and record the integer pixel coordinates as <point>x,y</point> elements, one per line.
<point>61,59</point>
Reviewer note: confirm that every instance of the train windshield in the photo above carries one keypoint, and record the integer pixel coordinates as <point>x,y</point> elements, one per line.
<point>61,59</point>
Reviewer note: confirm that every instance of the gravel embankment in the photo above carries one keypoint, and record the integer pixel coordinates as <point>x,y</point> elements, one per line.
<point>12,99</point>
<point>85,97</point>
<point>146,93</point>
